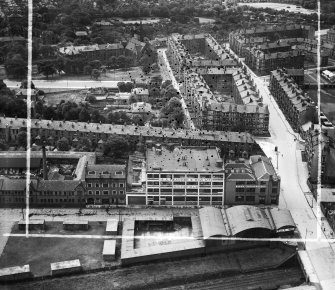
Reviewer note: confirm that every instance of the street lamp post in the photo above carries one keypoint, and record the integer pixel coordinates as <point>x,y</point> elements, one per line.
<point>277,152</point>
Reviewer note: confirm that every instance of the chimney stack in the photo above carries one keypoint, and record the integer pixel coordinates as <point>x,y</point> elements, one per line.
<point>45,175</point>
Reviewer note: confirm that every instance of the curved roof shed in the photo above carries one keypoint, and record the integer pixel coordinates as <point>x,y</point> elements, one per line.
<point>212,222</point>
<point>282,218</point>
<point>244,218</point>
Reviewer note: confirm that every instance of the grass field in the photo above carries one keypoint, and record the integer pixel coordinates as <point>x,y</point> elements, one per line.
<point>39,252</point>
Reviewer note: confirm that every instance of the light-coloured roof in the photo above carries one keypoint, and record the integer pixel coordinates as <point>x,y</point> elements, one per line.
<point>109,247</point>
<point>262,167</point>
<point>212,222</point>
<point>106,171</point>
<point>245,217</point>
<point>282,218</point>
<point>14,270</point>
<point>187,159</point>
<point>76,222</point>
<point>65,265</point>
<point>32,222</point>
<point>112,225</point>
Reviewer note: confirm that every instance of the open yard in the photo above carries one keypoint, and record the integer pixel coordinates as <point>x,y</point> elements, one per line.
<point>39,252</point>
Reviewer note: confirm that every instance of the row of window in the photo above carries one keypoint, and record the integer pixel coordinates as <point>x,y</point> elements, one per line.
<point>104,192</point>
<point>169,183</point>
<point>104,172</point>
<point>185,198</point>
<point>105,185</point>
<point>208,176</point>
<point>250,198</point>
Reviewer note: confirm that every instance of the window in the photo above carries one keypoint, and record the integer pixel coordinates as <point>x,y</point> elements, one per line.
<point>274,199</point>
<point>119,173</point>
<point>121,192</point>
<point>252,189</point>
<point>250,198</point>
<point>114,191</point>
<point>240,189</point>
<point>91,172</point>
<point>114,185</point>
<point>240,182</point>
<point>121,184</point>
<point>262,189</point>
<point>239,198</point>
<point>105,185</point>
<point>274,190</point>
<point>105,192</point>
<point>262,199</point>
<point>97,192</point>
<point>97,185</point>
<point>88,185</point>
<point>90,192</point>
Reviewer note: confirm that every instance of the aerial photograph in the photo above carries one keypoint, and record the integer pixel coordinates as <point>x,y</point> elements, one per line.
<point>167,144</point>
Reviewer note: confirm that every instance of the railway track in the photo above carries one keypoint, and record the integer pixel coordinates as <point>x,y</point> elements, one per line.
<point>265,280</point>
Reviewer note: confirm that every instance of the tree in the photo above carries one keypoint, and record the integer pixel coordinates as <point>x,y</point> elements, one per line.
<point>16,66</point>
<point>46,67</point>
<point>63,144</point>
<point>24,85</point>
<point>22,139</point>
<point>95,74</point>
<point>84,116</point>
<point>47,51</point>
<point>121,61</point>
<point>87,70</point>
<point>95,64</point>
<point>97,118</point>
<point>91,98</point>
<point>116,146</point>
<point>112,62</point>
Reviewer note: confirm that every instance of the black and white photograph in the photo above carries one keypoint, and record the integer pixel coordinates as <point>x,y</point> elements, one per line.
<point>167,144</point>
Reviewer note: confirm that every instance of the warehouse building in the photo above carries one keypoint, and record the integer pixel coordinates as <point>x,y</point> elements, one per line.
<point>213,230</point>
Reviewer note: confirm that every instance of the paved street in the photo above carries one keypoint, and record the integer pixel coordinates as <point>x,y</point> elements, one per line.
<point>320,248</point>
<point>165,62</point>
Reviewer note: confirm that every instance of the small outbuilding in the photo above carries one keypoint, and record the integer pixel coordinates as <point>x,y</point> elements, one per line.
<point>32,224</point>
<point>75,225</point>
<point>15,273</point>
<point>65,267</point>
<point>112,227</point>
<point>108,252</point>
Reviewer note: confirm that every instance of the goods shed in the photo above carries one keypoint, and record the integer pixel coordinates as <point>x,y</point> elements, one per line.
<point>212,224</point>
<point>249,222</point>
<point>32,225</point>
<point>15,273</point>
<point>65,267</point>
<point>108,252</point>
<point>75,225</point>
<point>283,221</point>
<point>112,227</point>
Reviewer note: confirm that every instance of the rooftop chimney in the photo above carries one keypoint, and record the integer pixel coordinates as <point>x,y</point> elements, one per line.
<point>45,175</point>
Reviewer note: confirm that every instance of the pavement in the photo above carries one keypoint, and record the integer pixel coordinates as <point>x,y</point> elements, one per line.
<point>162,52</point>
<point>312,228</point>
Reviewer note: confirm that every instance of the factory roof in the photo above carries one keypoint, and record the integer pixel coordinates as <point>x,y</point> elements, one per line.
<point>106,170</point>
<point>244,217</point>
<point>212,222</point>
<point>282,218</point>
<point>189,159</point>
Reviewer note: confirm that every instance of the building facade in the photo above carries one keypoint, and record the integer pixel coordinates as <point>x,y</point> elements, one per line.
<point>297,106</point>
<point>184,176</point>
<point>252,181</point>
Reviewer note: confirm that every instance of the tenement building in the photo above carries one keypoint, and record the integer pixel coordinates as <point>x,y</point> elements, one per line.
<point>220,96</point>
<point>51,131</point>
<point>267,47</point>
<point>297,106</point>
<point>242,110</point>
